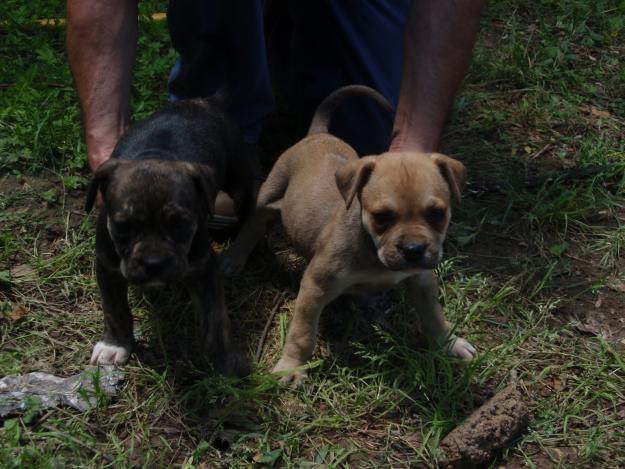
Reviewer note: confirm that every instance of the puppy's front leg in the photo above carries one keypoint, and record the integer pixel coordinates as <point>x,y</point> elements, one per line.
<point>118,340</point>
<point>206,290</point>
<point>315,292</point>
<point>423,294</point>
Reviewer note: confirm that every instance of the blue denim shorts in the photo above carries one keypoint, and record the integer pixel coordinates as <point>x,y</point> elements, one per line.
<point>303,49</point>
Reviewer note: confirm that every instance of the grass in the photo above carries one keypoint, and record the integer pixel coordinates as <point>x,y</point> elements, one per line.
<point>533,274</point>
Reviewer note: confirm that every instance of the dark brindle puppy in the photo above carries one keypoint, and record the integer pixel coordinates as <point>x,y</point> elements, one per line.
<point>158,191</point>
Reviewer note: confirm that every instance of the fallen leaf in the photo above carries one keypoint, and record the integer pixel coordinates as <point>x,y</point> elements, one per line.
<point>558,249</point>
<point>545,391</point>
<point>268,457</point>
<point>551,385</point>
<point>156,442</point>
<point>170,430</point>
<point>414,440</point>
<point>599,112</point>
<point>618,287</point>
<point>22,271</point>
<point>558,385</point>
<point>593,111</point>
<point>563,453</point>
<point>590,327</point>
<point>464,240</point>
<point>599,302</point>
<point>18,313</point>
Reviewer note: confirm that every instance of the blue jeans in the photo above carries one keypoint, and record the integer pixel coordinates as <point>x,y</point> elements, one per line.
<point>305,48</point>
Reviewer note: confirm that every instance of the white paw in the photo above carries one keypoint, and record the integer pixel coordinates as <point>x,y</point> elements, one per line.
<point>460,348</point>
<point>457,347</point>
<point>108,354</point>
<point>287,372</point>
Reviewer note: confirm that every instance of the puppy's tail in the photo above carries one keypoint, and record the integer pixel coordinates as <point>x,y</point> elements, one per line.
<point>323,114</point>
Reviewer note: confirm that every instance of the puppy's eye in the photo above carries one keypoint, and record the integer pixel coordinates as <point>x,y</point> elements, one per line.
<point>384,218</point>
<point>123,229</point>
<point>436,215</point>
<point>181,233</point>
<point>179,227</point>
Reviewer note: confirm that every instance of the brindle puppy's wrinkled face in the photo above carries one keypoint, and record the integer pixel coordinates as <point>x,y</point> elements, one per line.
<point>153,212</point>
<point>406,207</point>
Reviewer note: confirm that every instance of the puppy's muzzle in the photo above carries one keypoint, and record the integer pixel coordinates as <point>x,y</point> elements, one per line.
<point>417,254</point>
<point>155,264</point>
<point>413,252</point>
<point>151,268</point>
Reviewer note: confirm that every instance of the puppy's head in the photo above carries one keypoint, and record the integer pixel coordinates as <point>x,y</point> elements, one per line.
<point>153,210</point>
<point>406,206</point>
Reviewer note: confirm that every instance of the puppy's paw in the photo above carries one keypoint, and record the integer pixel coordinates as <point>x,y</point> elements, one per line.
<point>108,354</point>
<point>288,373</point>
<point>458,347</point>
<point>231,264</point>
<point>232,363</point>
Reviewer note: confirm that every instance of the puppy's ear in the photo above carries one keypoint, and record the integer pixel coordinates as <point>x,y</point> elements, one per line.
<point>454,173</point>
<point>204,179</point>
<point>352,177</point>
<point>100,180</point>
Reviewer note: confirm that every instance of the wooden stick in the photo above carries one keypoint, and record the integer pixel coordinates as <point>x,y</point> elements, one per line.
<point>276,306</point>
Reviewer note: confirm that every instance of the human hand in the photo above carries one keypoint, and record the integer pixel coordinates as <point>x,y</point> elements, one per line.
<point>98,152</point>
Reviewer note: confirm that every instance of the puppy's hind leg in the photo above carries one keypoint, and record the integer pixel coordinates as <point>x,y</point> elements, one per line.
<point>207,293</point>
<point>267,207</point>
<point>423,294</point>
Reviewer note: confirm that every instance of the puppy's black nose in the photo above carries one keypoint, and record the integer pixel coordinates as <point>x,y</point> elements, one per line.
<point>413,252</point>
<point>154,263</point>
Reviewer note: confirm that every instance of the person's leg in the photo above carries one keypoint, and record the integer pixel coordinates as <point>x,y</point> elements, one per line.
<point>222,53</point>
<point>338,43</point>
<point>221,50</point>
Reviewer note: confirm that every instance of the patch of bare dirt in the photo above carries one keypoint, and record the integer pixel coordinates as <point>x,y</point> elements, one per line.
<point>496,255</point>
<point>596,312</point>
<point>601,314</point>
<point>39,208</point>
<point>543,458</point>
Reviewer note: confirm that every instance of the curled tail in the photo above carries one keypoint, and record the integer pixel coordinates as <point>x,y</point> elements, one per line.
<point>323,114</point>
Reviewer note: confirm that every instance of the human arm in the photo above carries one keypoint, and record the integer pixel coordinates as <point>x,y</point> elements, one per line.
<point>438,44</point>
<point>101,48</point>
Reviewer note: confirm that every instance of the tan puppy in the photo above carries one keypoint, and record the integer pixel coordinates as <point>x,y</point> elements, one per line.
<point>366,224</point>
